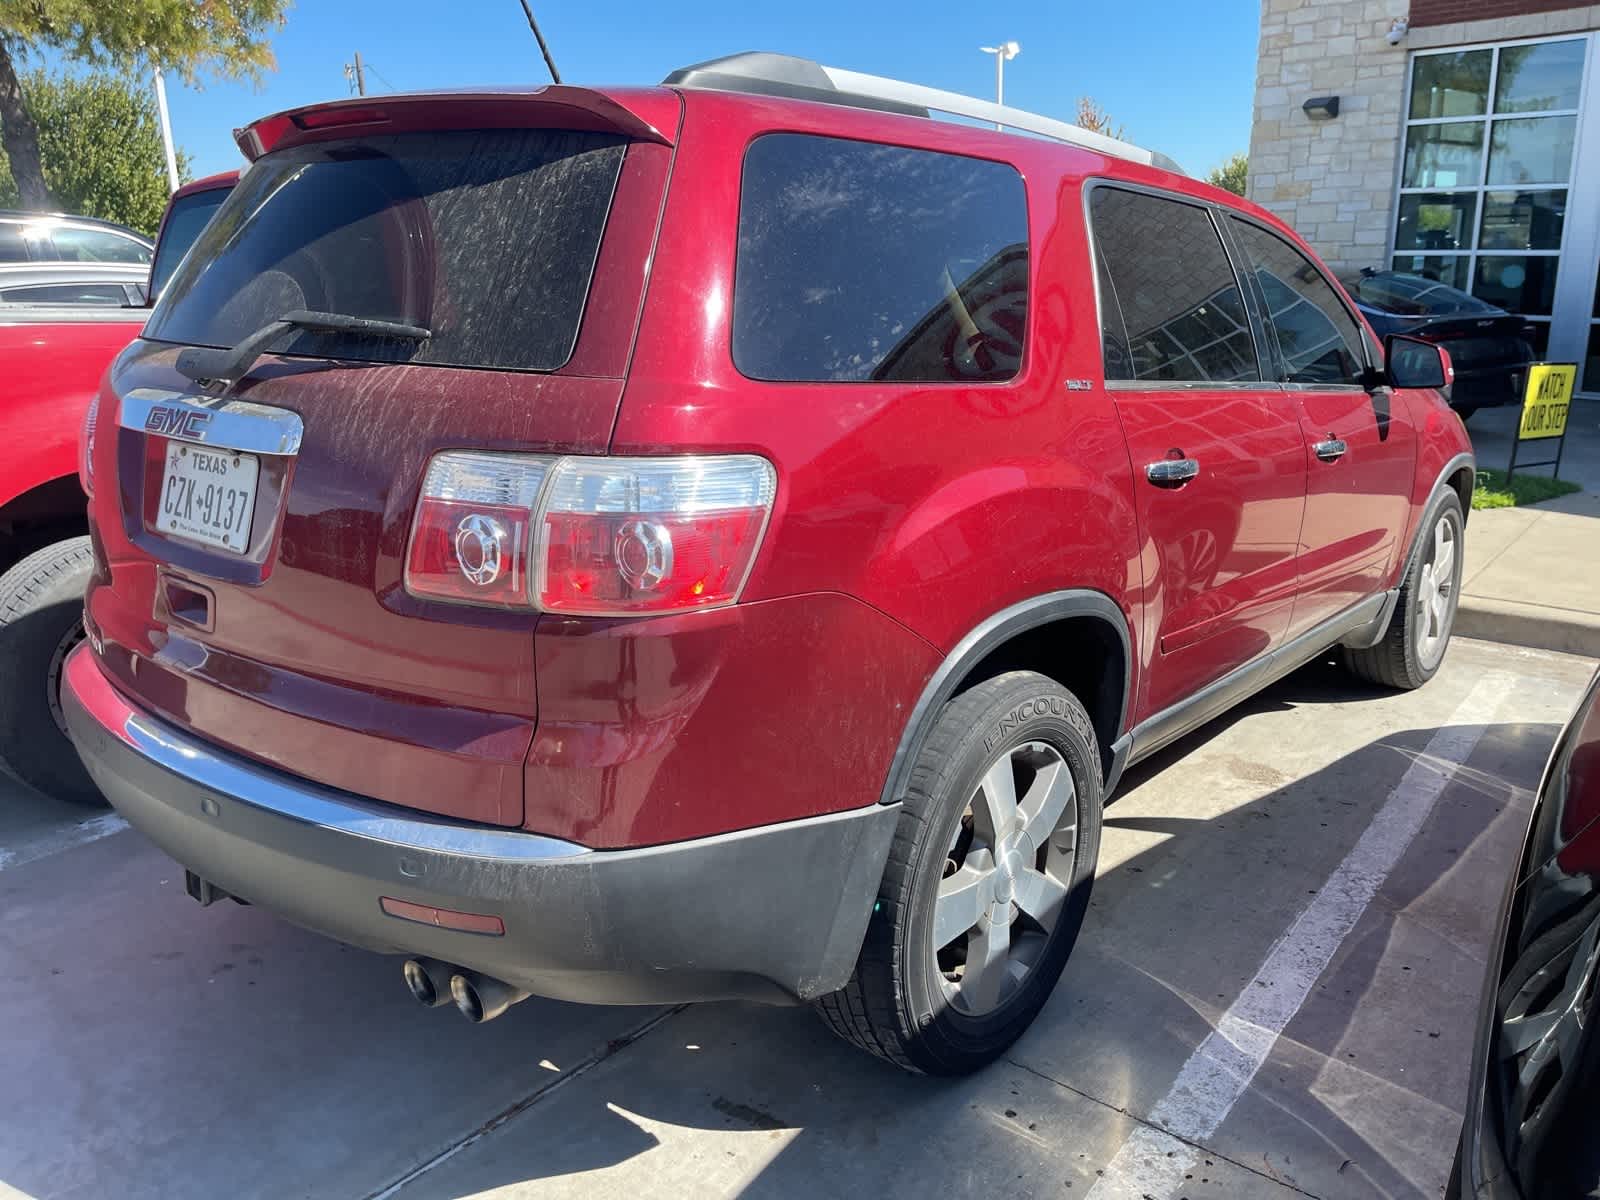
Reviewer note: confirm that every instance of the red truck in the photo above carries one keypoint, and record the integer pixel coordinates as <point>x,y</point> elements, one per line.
<point>51,362</point>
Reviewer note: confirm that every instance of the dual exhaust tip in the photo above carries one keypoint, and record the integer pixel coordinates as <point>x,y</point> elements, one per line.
<point>477,997</point>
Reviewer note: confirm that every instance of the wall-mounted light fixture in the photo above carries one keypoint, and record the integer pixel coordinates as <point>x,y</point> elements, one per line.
<point>1321,108</point>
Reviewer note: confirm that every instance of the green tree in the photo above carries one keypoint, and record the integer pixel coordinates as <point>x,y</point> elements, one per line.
<point>1231,175</point>
<point>194,38</point>
<point>100,146</point>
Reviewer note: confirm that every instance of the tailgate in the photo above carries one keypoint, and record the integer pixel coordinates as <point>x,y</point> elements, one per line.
<point>257,541</point>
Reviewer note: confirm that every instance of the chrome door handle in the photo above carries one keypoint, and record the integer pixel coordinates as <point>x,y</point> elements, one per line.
<point>1331,450</point>
<point>1172,472</point>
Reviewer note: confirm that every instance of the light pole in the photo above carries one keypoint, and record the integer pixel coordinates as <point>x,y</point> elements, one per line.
<point>166,133</point>
<point>1002,52</point>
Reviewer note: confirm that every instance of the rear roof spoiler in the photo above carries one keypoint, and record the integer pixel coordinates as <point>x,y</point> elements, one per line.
<point>645,114</point>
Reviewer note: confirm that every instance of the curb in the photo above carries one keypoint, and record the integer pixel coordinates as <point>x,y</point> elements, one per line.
<point>1537,625</point>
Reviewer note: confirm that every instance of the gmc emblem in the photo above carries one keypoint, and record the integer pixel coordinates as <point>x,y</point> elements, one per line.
<point>174,422</point>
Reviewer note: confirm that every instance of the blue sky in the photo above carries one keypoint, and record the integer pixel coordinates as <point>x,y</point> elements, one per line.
<point>1179,75</point>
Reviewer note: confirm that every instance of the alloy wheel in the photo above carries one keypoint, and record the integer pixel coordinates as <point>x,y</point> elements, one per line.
<point>1437,593</point>
<point>1542,1030</point>
<point>1005,877</point>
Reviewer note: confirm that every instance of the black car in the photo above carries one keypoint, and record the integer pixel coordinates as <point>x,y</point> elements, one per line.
<point>1532,1129</point>
<point>1488,345</point>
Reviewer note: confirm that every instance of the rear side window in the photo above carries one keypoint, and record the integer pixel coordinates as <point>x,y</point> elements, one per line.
<point>1318,339</point>
<point>66,293</point>
<point>1170,306</point>
<point>862,262</point>
<point>184,223</point>
<point>12,247</point>
<point>486,238</point>
<point>96,245</point>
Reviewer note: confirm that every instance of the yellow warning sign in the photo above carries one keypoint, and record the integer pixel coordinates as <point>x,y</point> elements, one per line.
<point>1546,399</point>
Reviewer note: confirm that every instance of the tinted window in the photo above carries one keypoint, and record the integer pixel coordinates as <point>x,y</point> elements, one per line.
<point>12,247</point>
<point>66,293</point>
<point>183,225</point>
<point>1318,338</point>
<point>1177,303</point>
<point>866,262</point>
<point>486,238</point>
<point>96,245</point>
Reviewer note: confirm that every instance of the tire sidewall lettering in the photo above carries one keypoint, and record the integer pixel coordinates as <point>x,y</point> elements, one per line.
<point>1040,706</point>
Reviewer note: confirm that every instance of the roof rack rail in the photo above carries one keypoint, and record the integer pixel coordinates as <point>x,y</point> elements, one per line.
<point>770,74</point>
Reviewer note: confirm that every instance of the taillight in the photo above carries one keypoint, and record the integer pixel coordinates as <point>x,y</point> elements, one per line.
<point>650,535</point>
<point>471,538</point>
<point>589,536</point>
<point>86,448</point>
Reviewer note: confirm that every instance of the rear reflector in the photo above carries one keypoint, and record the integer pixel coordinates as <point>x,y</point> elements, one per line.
<point>588,536</point>
<point>443,918</point>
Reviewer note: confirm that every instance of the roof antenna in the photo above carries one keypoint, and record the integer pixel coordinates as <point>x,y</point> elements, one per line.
<point>527,10</point>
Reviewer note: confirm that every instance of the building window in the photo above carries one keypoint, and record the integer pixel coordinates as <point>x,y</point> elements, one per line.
<point>1487,168</point>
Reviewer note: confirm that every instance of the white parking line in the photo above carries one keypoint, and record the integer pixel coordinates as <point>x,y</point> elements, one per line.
<point>1151,1164</point>
<point>55,840</point>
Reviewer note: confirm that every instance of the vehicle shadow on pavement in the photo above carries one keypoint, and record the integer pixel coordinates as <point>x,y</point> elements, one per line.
<point>175,1052</point>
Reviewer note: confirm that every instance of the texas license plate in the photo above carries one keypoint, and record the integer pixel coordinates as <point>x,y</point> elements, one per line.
<point>208,496</point>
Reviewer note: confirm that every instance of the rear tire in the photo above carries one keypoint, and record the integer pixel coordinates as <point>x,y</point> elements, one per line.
<point>1414,645</point>
<point>1000,821</point>
<point>41,619</point>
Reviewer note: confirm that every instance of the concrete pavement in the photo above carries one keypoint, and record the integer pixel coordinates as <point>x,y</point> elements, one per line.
<point>1532,574</point>
<point>155,1048</point>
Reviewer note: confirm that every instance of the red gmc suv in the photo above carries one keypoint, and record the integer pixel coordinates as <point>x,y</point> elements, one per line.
<point>727,539</point>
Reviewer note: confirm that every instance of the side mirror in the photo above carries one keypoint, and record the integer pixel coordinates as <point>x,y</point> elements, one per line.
<point>1414,363</point>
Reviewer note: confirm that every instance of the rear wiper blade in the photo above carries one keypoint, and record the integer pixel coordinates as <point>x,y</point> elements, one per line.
<point>231,363</point>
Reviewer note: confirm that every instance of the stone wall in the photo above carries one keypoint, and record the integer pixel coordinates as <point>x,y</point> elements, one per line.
<point>1332,180</point>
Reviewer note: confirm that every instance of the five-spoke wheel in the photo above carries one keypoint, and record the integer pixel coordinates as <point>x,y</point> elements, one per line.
<point>987,880</point>
<point>1005,877</point>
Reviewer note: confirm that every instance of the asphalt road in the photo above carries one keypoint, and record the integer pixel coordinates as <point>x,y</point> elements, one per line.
<point>1272,996</point>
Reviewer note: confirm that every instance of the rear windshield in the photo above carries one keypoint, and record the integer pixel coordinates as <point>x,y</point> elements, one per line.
<point>486,238</point>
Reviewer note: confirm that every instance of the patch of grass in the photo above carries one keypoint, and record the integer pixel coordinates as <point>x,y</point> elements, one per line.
<point>1494,491</point>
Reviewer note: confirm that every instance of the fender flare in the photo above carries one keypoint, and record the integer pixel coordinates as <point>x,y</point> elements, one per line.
<point>1470,461</point>
<point>1371,634</point>
<point>991,633</point>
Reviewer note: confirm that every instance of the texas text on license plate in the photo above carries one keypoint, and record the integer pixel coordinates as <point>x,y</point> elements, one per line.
<point>208,496</point>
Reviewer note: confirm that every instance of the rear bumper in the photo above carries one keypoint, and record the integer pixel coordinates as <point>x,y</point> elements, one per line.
<point>775,914</point>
